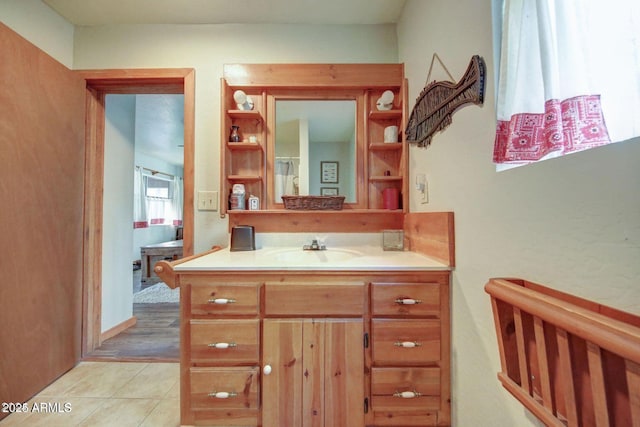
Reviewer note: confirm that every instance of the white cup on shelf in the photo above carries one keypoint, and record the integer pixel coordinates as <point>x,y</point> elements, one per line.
<point>391,134</point>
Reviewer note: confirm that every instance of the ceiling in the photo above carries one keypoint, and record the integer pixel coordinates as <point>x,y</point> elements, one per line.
<point>160,127</point>
<point>161,117</point>
<point>107,12</point>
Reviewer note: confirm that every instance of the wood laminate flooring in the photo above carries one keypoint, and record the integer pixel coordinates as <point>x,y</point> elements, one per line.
<point>154,337</point>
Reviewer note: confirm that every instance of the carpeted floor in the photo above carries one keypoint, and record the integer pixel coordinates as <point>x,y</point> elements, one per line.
<point>158,293</point>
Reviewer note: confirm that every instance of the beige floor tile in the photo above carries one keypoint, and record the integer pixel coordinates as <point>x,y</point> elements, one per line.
<point>69,379</point>
<point>166,414</point>
<point>55,412</point>
<point>105,380</point>
<point>174,391</point>
<point>153,382</point>
<point>121,413</point>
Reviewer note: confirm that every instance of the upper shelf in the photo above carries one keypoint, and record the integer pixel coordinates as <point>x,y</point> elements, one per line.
<point>245,114</point>
<point>385,114</point>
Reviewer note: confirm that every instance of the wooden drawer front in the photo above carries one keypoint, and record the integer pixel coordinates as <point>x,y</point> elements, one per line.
<point>419,409</point>
<point>223,299</point>
<point>314,299</point>
<point>389,337</point>
<point>225,341</point>
<point>387,383</point>
<point>389,299</point>
<point>242,384</point>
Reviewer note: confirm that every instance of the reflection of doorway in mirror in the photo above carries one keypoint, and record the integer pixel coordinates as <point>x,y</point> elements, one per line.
<point>315,131</point>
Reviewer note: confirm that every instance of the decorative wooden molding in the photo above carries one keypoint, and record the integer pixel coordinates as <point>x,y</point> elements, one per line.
<point>439,100</point>
<point>314,75</point>
<point>345,221</point>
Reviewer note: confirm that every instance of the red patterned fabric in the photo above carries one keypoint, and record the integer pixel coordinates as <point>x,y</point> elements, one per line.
<point>140,224</point>
<point>567,126</point>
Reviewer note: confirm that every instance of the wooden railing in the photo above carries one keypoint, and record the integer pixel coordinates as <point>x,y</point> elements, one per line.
<point>570,361</point>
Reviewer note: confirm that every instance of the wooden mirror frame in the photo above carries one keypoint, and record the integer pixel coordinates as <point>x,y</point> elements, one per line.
<point>324,95</point>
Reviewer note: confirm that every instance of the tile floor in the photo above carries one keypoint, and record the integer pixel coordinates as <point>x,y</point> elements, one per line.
<point>108,394</point>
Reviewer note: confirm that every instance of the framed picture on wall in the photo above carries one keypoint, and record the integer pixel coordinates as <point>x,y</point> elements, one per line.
<point>329,172</point>
<point>328,191</point>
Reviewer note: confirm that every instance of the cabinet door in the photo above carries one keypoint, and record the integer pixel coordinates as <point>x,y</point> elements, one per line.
<point>317,373</point>
<point>282,388</point>
<point>344,373</point>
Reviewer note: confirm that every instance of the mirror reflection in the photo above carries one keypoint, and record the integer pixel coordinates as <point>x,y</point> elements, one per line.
<point>315,148</point>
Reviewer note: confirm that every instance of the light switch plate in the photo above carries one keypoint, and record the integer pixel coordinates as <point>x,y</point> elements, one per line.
<point>207,200</point>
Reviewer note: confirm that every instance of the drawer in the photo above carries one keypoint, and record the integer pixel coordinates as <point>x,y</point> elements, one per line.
<point>405,299</point>
<point>405,342</point>
<point>315,299</point>
<point>419,404</point>
<point>387,384</point>
<point>224,388</point>
<point>234,342</point>
<point>213,299</point>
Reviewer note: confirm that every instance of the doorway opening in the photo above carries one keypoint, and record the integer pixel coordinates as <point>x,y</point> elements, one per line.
<point>120,146</point>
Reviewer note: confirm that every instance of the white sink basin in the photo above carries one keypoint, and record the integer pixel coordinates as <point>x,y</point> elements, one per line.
<point>298,255</point>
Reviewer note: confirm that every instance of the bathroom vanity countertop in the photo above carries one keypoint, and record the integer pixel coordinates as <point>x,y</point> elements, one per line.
<point>352,258</point>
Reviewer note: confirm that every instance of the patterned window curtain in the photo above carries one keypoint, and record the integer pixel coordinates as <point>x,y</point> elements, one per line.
<point>568,76</point>
<point>140,219</point>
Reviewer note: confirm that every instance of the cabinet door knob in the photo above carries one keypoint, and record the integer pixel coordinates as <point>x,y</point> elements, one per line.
<point>407,301</point>
<point>266,370</point>
<point>222,345</point>
<point>223,394</point>
<point>407,394</point>
<point>222,301</point>
<point>407,344</point>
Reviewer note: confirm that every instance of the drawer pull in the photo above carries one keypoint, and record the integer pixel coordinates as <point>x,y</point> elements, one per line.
<point>407,344</point>
<point>222,301</point>
<point>222,345</point>
<point>223,394</point>
<point>408,301</point>
<point>407,394</point>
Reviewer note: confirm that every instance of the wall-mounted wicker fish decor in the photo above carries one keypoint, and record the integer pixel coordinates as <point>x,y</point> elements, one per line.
<point>439,100</point>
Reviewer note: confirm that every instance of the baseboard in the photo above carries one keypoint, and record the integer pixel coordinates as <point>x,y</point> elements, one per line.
<point>110,333</point>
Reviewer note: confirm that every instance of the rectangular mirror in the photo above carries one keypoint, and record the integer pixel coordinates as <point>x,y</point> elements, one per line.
<point>315,148</point>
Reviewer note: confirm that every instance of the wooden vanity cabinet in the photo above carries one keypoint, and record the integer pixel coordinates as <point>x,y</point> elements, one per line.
<point>328,349</point>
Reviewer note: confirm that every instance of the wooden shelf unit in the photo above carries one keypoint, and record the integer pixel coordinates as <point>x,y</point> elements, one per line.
<point>242,162</point>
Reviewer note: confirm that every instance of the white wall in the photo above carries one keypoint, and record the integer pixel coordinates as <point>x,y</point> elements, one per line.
<point>571,223</point>
<point>117,282</point>
<point>39,24</point>
<point>206,48</point>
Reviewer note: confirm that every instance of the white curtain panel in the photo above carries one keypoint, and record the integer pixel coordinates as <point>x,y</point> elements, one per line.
<point>140,219</point>
<point>568,76</point>
<point>285,173</point>
<point>177,201</point>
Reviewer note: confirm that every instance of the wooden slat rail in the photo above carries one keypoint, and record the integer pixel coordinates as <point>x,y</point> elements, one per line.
<point>570,361</point>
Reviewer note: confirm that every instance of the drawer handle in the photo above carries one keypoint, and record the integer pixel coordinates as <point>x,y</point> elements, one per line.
<point>222,301</point>
<point>407,394</point>
<point>223,394</point>
<point>407,344</point>
<point>222,345</point>
<point>408,301</point>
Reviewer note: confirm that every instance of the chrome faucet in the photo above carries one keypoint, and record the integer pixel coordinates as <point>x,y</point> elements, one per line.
<point>314,246</point>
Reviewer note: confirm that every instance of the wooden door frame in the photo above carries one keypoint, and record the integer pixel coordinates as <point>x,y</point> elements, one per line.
<point>124,81</point>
